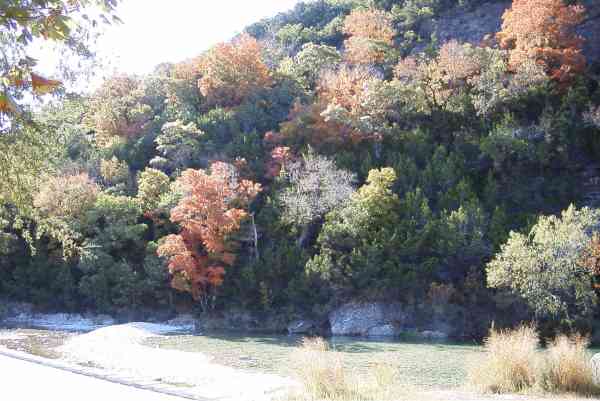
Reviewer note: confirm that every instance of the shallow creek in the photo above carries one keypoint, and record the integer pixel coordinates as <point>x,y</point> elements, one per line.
<point>433,365</point>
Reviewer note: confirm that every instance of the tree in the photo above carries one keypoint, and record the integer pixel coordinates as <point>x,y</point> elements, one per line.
<point>496,87</point>
<point>114,172</point>
<point>316,186</point>
<point>280,157</point>
<point>152,186</point>
<point>371,36</point>
<point>439,82</point>
<point>366,226</point>
<point>232,71</point>
<point>27,147</point>
<point>591,258</point>
<point>544,267</point>
<point>306,66</point>
<point>120,109</point>
<point>544,31</point>
<point>110,260</point>
<point>66,196</point>
<point>24,21</point>
<point>178,145</point>
<point>461,75</point>
<point>592,116</point>
<point>212,209</point>
<point>25,155</point>
<point>351,107</point>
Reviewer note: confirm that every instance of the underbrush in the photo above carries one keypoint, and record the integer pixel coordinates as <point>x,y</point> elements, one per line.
<point>514,362</point>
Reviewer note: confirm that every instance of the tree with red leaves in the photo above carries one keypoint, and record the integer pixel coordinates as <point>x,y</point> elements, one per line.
<point>211,210</point>
<point>544,31</point>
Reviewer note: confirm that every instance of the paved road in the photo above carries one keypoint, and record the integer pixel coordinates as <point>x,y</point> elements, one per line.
<point>27,381</point>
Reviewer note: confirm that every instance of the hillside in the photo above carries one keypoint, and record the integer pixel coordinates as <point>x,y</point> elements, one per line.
<point>342,153</point>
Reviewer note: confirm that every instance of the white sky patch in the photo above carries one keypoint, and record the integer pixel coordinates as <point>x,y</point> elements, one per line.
<point>158,31</point>
<point>155,31</point>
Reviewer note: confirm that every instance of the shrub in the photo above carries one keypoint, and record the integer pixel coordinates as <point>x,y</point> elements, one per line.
<point>509,362</point>
<point>566,367</point>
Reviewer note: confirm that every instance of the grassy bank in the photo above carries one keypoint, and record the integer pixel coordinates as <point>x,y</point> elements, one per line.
<point>514,362</point>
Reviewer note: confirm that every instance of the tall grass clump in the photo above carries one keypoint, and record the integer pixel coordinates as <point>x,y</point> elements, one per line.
<point>566,367</point>
<point>320,370</point>
<point>509,363</point>
<point>323,377</point>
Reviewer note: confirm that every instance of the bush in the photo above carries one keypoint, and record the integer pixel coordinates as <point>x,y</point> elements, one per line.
<point>509,363</point>
<point>566,367</point>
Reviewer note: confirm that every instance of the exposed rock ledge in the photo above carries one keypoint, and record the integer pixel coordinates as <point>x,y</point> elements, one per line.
<point>377,319</point>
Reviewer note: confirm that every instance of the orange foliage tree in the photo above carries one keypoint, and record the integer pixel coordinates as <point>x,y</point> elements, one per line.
<point>371,36</point>
<point>348,110</point>
<point>232,71</point>
<point>544,31</point>
<point>212,208</point>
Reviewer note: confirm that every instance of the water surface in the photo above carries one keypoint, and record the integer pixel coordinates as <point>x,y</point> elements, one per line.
<point>425,364</point>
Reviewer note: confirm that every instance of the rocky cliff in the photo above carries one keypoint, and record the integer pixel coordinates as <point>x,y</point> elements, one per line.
<point>472,25</point>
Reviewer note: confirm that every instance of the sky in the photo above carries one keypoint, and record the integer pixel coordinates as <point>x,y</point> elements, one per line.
<point>156,31</point>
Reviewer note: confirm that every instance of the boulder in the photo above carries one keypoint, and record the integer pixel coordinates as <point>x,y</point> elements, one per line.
<point>183,322</point>
<point>433,335</point>
<point>301,326</point>
<point>238,320</point>
<point>358,319</point>
<point>12,309</point>
<point>385,330</point>
<point>596,369</point>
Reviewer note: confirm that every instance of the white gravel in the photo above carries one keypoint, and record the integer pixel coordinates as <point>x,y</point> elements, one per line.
<point>119,350</point>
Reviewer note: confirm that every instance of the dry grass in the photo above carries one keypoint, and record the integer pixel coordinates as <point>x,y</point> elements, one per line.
<point>514,363</point>
<point>509,364</point>
<point>566,367</point>
<point>323,376</point>
<point>320,370</point>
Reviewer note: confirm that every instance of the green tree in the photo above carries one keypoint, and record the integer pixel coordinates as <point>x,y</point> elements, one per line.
<point>544,267</point>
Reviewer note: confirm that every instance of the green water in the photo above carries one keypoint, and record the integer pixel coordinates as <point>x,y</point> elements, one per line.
<point>422,364</point>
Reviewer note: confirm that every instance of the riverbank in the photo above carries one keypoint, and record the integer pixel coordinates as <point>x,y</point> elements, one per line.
<point>262,367</point>
<point>56,382</point>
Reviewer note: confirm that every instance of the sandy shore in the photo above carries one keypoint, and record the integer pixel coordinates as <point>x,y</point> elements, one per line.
<point>120,350</point>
